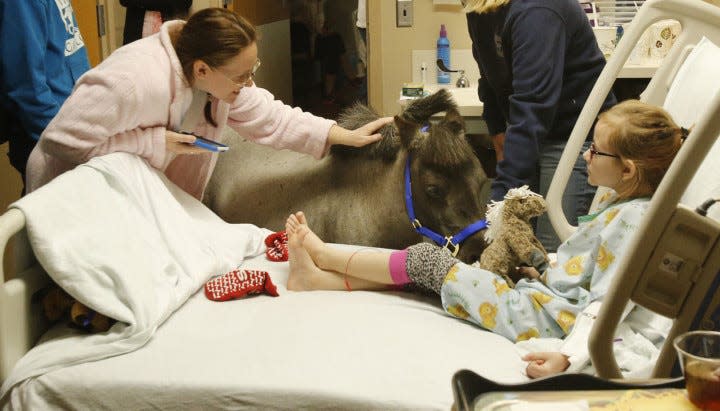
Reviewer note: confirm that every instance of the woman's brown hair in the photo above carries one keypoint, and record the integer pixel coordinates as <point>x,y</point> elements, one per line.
<point>647,135</point>
<point>213,35</point>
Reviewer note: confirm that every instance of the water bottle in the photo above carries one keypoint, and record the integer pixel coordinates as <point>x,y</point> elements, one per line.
<point>443,53</point>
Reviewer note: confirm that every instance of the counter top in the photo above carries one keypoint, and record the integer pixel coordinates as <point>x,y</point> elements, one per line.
<point>470,105</point>
<point>467,99</point>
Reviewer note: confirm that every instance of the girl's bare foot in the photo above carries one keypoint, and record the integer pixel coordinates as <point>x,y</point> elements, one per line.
<point>292,224</point>
<point>302,267</point>
<point>304,274</point>
<point>315,247</point>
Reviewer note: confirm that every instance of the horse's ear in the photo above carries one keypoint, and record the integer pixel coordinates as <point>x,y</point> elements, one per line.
<point>454,121</point>
<point>407,131</point>
<point>446,144</point>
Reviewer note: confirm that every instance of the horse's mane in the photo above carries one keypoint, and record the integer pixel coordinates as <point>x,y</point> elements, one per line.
<point>436,150</point>
<point>357,116</point>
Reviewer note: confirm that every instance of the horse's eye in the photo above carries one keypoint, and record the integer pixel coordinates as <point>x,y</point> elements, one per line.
<point>433,191</point>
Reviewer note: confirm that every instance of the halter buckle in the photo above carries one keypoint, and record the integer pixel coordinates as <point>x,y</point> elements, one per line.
<point>416,224</point>
<point>455,247</point>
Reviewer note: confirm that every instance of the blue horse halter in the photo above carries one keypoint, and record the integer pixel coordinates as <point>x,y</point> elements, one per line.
<point>447,241</point>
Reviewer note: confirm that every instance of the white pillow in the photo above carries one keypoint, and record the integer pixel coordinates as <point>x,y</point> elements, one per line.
<point>690,94</point>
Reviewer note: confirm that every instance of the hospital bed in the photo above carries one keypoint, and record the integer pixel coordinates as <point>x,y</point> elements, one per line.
<point>390,350</point>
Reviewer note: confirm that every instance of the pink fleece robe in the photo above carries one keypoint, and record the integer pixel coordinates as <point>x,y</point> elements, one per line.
<point>128,101</point>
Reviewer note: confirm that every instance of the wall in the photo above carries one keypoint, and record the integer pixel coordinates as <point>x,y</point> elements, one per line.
<point>390,47</point>
<point>115,25</point>
<point>275,74</point>
<point>261,12</point>
<point>272,21</point>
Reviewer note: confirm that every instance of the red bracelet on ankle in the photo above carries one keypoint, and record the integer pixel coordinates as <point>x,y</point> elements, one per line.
<point>347,267</point>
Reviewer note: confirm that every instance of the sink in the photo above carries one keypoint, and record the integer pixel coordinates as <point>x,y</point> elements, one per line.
<point>467,99</point>
<point>468,102</point>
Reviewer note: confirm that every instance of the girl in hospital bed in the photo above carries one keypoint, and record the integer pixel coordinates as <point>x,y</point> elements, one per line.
<point>633,146</point>
<point>195,76</point>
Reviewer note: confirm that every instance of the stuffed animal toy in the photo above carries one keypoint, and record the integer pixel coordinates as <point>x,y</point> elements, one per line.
<point>512,242</point>
<point>57,304</point>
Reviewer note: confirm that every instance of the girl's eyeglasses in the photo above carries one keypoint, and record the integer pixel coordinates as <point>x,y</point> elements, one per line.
<point>594,152</point>
<point>243,80</point>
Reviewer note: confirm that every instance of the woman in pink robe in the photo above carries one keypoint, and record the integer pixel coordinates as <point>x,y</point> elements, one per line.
<point>195,76</point>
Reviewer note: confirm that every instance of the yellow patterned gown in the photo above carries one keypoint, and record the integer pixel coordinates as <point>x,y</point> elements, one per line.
<point>586,263</point>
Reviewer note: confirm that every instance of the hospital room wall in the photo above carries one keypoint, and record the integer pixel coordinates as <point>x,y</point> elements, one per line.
<point>390,47</point>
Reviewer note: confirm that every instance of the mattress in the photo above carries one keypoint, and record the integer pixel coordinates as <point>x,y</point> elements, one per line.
<point>302,350</point>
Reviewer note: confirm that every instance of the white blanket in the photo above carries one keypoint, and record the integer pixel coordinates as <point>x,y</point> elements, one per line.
<point>122,239</point>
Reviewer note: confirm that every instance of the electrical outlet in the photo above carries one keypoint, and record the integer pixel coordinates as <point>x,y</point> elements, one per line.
<point>404,13</point>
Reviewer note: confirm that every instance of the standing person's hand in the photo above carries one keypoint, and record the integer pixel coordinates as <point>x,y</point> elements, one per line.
<point>543,364</point>
<point>179,143</point>
<point>499,144</point>
<point>359,137</point>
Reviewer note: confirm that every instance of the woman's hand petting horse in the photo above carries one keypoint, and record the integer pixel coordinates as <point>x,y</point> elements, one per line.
<point>359,137</point>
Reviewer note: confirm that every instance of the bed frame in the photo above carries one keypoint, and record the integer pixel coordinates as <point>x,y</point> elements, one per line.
<point>684,299</point>
<point>21,322</point>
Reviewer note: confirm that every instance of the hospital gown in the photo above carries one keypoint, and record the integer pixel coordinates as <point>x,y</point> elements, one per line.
<point>639,336</point>
<point>586,264</point>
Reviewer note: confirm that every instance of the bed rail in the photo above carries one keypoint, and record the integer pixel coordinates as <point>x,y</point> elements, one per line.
<point>21,321</point>
<point>673,262</point>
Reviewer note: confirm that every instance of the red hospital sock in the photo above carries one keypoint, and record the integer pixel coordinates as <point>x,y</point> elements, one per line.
<point>277,248</point>
<point>239,283</point>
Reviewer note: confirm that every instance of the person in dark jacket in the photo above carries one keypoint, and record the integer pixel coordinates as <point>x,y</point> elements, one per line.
<point>135,15</point>
<point>42,55</point>
<point>538,62</point>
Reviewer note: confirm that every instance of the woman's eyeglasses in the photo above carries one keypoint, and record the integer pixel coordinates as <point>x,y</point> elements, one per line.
<point>594,152</point>
<point>243,80</point>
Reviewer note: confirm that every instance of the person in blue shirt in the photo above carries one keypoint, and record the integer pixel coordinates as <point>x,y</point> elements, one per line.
<point>538,62</point>
<point>42,54</point>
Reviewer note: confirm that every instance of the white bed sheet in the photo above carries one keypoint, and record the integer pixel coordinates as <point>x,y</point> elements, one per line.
<point>301,350</point>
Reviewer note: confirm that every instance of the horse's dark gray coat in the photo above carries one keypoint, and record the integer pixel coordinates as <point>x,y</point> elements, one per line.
<point>355,196</point>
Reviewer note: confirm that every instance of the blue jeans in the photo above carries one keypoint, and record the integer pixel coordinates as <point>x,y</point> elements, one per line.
<point>578,193</point>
